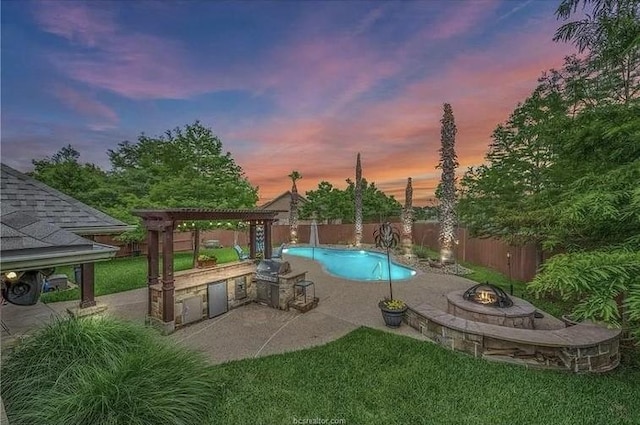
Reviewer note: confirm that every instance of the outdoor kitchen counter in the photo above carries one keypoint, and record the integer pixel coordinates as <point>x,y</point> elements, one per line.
<point>195,277</point>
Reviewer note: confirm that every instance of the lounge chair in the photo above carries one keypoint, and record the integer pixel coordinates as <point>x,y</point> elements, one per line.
<point>277,253</point>
<point>241,254</point>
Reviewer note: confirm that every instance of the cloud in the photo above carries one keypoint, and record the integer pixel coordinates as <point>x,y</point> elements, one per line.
<point>87,26</point>
<point>102,116</point>
<point>400,136</point>
<point>129,63</point>
<point>461,17</point>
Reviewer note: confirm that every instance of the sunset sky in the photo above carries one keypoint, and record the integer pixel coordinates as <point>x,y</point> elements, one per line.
<point>285,85</point>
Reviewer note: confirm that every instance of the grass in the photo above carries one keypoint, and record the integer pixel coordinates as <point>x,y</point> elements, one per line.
<point>124,274</point>
<point>480,274</point>
<point>374,377</point>
<point>104,372</point>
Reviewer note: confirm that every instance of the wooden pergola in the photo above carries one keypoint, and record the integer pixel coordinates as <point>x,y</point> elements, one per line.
<point>164,221</point>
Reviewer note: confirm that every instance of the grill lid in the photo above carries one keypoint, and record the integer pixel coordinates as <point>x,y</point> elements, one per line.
<point>270,269</point>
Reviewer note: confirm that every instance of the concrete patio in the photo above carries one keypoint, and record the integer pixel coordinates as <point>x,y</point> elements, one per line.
<point>256,330</point>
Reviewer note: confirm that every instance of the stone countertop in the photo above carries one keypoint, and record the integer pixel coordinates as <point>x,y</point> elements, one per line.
<point>194,277</point>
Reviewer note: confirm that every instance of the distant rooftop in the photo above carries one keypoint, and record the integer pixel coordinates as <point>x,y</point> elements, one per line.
<point>23,193</point>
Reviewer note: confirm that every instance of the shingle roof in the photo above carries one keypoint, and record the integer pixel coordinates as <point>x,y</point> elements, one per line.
<point>286,194</point>
<point>20,231</point>
<point>24,193</point>
<point>29,243</point>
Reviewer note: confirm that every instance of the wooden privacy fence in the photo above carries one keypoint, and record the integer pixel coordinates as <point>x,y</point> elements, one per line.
<point>485,252</point>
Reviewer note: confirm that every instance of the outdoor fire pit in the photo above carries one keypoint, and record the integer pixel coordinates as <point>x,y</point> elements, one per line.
<point>489,295</point>
<point>489,304</point>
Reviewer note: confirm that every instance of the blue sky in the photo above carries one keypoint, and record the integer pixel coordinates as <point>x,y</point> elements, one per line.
<point>285,85</point>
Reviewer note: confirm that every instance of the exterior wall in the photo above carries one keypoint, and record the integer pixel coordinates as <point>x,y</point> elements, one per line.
<point>284,203</point>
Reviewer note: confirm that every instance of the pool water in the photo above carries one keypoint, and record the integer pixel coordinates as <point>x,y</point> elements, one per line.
<point>353,264</point>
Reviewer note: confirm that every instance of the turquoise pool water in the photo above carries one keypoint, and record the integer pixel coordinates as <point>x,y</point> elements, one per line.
<point>353,264</point>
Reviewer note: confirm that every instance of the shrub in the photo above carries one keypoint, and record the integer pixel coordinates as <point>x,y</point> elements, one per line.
<point>103,371</point>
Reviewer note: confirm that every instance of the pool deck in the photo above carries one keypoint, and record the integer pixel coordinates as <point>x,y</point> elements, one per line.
<point>256,330</point>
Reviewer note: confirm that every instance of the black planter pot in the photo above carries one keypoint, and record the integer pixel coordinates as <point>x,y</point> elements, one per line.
<point>392,318</point>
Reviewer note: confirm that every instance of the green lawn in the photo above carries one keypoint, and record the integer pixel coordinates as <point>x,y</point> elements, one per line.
<point>124,274</point>
<point>374,377</point>
<point>120,375</point>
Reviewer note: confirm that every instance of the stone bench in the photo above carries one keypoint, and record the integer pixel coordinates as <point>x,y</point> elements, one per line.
<point>585,347</point>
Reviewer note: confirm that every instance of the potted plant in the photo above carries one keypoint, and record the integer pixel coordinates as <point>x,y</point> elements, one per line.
<point>205,261</point>
<point>387,237</point>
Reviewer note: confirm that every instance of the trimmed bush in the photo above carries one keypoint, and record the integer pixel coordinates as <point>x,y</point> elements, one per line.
<point>103,371</point>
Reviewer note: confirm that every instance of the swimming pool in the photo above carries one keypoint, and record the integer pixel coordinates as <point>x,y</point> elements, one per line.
<point>353,264</point>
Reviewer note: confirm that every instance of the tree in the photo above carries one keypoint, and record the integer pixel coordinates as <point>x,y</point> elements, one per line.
<point>448,164</point>
<point>185,167</point>
<point>563,171</point>
<point>610,34</point>
<point>331,203</point>
<point>293,212</point>
<point>358,202</point>
<point>503,197</point>
<point>84,182</point>
<point>407,220</point>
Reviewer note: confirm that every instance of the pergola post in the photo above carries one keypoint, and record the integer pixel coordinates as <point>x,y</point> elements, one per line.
<point>87,294</point>
<point>167,275</point>
<point>252,239</point>
<point>267,239</point>
<point>152,262</point>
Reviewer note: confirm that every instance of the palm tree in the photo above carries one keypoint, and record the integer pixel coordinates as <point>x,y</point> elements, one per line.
<point>447,189</point>
<point>293,211</point>
<point>407,220</point>
<point>358,199</point>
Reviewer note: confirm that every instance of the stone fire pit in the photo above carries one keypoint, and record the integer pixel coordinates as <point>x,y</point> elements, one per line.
<point>485,303</point>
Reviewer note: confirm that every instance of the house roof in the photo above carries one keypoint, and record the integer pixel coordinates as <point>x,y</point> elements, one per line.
<point>29,243</point>
<point>24,193</point>
<point>286,194</point>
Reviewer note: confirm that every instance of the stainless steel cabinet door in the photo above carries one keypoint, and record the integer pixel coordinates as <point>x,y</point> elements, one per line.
<point>217,293</point>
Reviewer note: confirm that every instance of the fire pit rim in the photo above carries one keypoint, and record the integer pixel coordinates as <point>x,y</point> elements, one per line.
<point>502,300</point>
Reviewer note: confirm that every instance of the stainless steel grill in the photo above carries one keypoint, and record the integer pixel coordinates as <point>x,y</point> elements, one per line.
<point>267,280</point>
<point>268,270</point>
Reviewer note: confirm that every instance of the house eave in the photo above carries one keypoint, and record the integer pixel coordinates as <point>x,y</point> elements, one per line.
<point>99,230</point>
<point>98,252</point>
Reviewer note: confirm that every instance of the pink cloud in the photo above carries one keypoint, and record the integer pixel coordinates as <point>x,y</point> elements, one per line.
<point>400,137</point>
<point>103,116</point>
<point>461,17</point>
<point>131,64</point>
<point>75,21</point>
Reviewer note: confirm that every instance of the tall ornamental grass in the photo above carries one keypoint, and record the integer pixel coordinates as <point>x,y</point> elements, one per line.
<point>104,371</point>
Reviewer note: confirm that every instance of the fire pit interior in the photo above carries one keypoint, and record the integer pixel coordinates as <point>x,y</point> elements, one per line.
<point>489,295</point>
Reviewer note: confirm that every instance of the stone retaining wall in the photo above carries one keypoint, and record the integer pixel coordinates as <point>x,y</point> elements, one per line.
<point>585,347</point>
